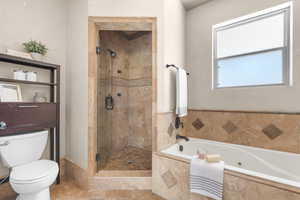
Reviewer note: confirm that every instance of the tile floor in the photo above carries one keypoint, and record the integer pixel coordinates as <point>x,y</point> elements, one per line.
<point>69,191</point>
<point>130,158</point>
<point>6,192</point>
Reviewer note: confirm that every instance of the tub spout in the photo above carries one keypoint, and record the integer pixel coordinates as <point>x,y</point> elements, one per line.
<point>182,137</point>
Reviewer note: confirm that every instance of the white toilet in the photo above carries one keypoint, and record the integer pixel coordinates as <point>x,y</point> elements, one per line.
<point>29,177</point>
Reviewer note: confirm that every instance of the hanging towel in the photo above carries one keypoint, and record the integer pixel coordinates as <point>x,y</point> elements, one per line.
<point>181,93</point>
<point>207,178</point>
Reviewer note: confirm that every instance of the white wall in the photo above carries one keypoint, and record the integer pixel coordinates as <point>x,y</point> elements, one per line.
<point>199,61</point>
<point>77,83</point>
<point>174,51</point>
<point>39,20</point>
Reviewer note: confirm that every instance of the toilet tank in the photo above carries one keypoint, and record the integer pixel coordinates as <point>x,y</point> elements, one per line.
<point>22,149</point>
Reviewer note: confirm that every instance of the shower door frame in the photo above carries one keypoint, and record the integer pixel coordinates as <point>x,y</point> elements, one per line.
<point>96,24</point>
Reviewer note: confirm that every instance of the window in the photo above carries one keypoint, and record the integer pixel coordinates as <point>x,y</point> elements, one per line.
<point>253,50</point>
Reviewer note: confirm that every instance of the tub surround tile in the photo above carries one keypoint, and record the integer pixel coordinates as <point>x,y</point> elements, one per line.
<point>198,124</point>
<point>237,174</point>
<point>171,129</point>
<point>169,179</point>
<point>272,131</point>
<point>166,133</point>
<point>236,186</point>
<point>179,170</point>
<point>265,130</point>
<point>230,127</point>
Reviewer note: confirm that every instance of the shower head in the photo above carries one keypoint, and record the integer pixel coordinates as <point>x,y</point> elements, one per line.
<point>112,53</point>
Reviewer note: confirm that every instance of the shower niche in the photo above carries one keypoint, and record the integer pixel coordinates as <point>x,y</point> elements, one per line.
<point>124,100</point>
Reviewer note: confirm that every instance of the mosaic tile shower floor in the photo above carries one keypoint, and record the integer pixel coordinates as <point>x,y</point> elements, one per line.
<point>130,158</point>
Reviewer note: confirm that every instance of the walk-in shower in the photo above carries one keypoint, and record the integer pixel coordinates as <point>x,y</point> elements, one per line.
<point>124,132</point>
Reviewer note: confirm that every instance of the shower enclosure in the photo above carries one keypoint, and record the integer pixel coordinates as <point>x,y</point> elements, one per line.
<point>124,127</point>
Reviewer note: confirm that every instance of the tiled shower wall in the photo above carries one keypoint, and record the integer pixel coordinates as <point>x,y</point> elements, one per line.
<point>113,124</point>
<point>131,89</point>
<point>140,92</point>
<point>265,130</point>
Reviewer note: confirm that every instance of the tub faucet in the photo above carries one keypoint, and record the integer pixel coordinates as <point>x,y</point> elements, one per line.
<point>182,137</point>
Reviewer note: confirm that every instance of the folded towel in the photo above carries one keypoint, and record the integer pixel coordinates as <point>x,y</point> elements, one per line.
<point>212,158</point>
<point>207,178</point>
<point>181,93</point>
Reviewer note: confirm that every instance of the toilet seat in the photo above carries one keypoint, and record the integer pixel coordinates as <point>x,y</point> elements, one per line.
<point>33,172</point>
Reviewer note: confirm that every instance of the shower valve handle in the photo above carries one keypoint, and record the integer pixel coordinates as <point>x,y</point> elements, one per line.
<point>3,125</point>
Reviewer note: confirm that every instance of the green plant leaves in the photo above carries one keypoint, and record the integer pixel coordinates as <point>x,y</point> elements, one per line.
<point>33,46</point>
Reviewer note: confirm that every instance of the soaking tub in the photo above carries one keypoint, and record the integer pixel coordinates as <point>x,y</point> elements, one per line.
<point>276,166</point>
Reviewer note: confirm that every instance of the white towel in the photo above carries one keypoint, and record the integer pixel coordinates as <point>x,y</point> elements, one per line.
<point>207,178</point>
<point>181,93</point>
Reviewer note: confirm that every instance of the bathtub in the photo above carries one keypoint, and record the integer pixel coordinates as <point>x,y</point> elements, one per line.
<point>276,166</point>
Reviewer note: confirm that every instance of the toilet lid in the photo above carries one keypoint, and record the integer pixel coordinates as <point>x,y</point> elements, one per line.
<point>34,170</point>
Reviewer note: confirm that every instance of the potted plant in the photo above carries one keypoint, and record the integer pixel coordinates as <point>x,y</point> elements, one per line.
<point>36,49</point>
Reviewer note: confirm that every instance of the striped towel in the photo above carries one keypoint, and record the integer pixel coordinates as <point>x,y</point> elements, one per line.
<point>207,178</point>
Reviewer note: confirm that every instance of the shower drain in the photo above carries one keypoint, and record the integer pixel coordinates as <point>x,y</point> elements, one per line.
<point>130,162</point>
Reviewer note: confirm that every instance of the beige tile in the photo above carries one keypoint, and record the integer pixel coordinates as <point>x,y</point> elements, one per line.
<point>179,171</point>
<point>130,158</point>
<point>169,179</point>
<point>166,132</point>
<point>131,117</point>
<point>248,129</point>
<point>127,26</point>
<point>69,191</point>
<point>6,192</point>
<point>124,173</point>
<point>119,183</point>
<point>141,61</point>
<point>77,174</point>
<point>236,186</point>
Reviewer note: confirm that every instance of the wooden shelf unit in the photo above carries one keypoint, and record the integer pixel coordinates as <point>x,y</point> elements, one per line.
<point>13,111</point>
<point>26,82</point>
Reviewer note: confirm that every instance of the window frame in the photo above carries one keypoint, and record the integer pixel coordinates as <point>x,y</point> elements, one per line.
<point>287,10</point>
